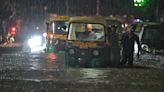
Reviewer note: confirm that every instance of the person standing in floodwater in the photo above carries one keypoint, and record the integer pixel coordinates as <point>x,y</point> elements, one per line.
<point>127,41</point>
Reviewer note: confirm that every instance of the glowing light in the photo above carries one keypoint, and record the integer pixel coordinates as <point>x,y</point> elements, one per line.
<point>139,3</point>
<point>37,28</point>
<point>52,56</point>
<point>51,35</point>
<point>135,48</point>
<point>137,21</point>
<point>126,25</point>
<point>135,0</point>
<point>13,29</point>
<point>45,34</point>
<point>135,4</point>
<point>35,43</point>
<point>53,27</point>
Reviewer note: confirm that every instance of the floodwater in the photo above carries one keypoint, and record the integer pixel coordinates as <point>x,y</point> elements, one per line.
<point>33,72</point>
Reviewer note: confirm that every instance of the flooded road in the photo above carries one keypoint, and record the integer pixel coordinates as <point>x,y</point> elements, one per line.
<point>33,72</point>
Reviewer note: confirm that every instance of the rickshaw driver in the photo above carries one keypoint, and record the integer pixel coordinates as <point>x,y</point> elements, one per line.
<point>88,34</point>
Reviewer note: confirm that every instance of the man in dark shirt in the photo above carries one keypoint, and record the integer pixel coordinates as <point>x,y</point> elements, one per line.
<point>128,39</point>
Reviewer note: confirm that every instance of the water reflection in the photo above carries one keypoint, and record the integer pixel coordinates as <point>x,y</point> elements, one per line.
<point>97,75</point>
<point>50,77</point>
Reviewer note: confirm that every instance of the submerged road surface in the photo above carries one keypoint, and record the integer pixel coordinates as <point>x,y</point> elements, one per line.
<point>33,72</point>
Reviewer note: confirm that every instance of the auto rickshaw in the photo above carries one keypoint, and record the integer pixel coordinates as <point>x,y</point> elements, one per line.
<point>88,43</point>
<point>57,33</point>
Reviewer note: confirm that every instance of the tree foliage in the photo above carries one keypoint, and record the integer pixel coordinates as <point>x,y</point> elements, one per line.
<point>5,12</point>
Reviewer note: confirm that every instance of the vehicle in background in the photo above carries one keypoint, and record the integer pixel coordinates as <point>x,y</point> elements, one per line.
<point>89,43</point>
<point>11,39</point>
<point>152,38</point>
<point>57,27</point>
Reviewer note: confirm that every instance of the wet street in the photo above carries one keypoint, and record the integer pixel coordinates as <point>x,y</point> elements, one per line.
<point>33,72</point>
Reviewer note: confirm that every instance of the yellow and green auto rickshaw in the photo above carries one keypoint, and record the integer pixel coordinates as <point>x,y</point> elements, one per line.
<point>88,43</point>
<point>56,33</point>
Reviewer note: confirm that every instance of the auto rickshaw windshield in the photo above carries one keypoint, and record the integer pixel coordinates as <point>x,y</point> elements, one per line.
<point>58,27</point>
<point>86,32</point>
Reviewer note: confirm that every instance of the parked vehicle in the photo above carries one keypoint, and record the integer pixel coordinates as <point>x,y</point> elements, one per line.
<point>152,38</point>
<point>57,33</point>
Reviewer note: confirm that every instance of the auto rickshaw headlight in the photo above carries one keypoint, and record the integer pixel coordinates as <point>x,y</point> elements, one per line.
<point>51,36</point>
<point>71,51</point>
<point>96,53</point>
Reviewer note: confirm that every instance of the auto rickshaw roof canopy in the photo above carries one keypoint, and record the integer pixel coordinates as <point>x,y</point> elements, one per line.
<point>81,19</point>
<point>59,18</point>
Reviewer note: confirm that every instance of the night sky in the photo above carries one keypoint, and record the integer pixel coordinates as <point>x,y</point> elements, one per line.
<point>35,12</point>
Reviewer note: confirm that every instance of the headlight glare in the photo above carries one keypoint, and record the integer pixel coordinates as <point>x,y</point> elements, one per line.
<point>35,41</point>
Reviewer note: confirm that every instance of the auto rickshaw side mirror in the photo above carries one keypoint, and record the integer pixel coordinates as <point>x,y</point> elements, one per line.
<point>64,28</point>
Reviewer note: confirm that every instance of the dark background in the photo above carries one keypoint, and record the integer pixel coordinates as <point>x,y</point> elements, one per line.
<point>33,13</point>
